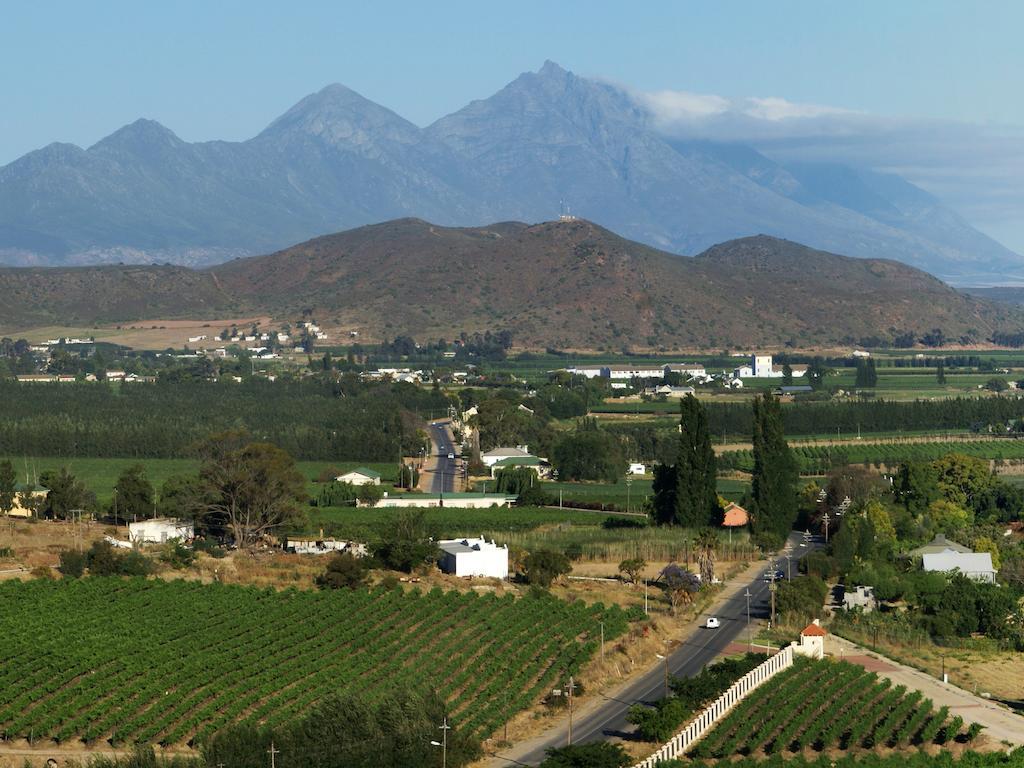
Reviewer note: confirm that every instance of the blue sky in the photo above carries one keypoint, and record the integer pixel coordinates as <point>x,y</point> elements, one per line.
<point>72,71</point>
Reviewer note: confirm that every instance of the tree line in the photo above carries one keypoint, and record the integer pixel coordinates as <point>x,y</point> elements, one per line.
<point>311,420</point>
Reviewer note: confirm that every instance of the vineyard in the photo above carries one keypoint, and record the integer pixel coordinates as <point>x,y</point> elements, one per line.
<point>918,759</point>
<point>829,705</point>
<point>818,459</point>
<point>126,661</point>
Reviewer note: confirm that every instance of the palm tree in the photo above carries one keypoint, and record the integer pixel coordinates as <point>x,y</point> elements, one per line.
<point>707,541</point>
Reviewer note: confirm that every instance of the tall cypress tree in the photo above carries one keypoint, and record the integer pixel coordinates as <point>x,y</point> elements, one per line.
<point>696,496</point>
<point>775,471</point>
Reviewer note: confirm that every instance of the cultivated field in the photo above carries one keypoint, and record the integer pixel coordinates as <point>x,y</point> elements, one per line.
<point>826,705</point>
<point>125,661</point>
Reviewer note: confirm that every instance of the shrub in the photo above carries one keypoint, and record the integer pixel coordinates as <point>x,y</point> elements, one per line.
<point>72,563</point>
<point>544,566</point>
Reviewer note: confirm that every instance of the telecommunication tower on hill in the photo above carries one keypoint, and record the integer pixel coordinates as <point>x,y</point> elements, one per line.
<point>564,213</point>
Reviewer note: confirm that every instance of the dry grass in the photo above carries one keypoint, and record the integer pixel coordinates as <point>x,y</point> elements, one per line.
<point>149,334</point>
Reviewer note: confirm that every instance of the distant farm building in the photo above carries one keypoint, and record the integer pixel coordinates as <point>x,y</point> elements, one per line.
<point>160,530</point>
<point>493,456</point>
<point>735,516</point>
<point>24,491</point>
<point>360,476</point>
<point>453,500</point>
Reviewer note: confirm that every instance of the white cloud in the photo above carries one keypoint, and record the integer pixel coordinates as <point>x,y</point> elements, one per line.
<point>774,108</point>
<point>976,169</point>
<point>669,107</point>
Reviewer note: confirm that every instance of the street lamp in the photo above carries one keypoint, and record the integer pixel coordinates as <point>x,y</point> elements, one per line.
<point>665,659</point>
<point>789,568</point>
<point>443,744</point>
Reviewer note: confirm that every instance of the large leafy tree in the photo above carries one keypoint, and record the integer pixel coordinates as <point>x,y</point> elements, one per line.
<point>589,453</point>
<point>249,488</point>
<point>134,493</point>
<point>406,544</point>
<point>775,472</point>
<point>66,494</point>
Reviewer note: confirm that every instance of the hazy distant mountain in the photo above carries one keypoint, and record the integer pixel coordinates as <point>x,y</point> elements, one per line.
<point>336,160</point>
<point>570,285</point>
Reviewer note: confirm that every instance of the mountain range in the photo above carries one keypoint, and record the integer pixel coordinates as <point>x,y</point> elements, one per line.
<point>563,284</point>
<point>337,160</point>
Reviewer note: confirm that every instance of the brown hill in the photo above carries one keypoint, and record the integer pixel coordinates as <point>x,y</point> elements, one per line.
<point>566,284</point>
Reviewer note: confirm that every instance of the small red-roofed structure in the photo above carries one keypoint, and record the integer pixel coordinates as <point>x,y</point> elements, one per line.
<point>812,641</point>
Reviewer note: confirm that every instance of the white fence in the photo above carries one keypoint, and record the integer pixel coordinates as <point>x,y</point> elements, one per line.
<point>678,745</point>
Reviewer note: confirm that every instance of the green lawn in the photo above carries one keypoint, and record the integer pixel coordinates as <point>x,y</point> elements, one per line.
<point>618,493</point>
<point>100,475</point>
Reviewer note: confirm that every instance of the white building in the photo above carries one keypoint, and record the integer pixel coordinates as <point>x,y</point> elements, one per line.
<point>761,367</point>
<point>452,500</point>
<point>636,468</point>
<point>493,456</point>
<point>974,565</point>
<point>474,557</point>
<point>812,641</point>
<point>628,372</point>
<point>360,476</point>
<point>861,597</point>
<point>160,530</point>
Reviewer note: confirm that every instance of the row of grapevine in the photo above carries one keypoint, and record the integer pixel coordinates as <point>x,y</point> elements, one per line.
<point>826,705</point>
<point>137,661</point>
<point>818,459</point>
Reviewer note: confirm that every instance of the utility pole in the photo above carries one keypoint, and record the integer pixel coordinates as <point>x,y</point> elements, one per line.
<point>629,483</point>
<point>789,568</point>
<point>602,641</point>
<point>572,685</point>
<point>771,588</point>
<point>646,612</point>
<point>273,752</point>
<point>825,518</point>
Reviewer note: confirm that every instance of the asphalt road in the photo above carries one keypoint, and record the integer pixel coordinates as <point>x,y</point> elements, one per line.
<point>444,474</point>
<point>701,648</point>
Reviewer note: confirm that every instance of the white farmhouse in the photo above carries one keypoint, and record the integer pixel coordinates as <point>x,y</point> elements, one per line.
<point>160,530</point>
<point>474,557</point>
<point>360,476</point>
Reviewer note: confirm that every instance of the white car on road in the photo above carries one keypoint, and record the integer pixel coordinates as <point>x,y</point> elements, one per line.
<point>713,622</point>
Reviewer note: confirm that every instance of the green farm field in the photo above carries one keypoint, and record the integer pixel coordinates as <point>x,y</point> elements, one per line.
<point>100,475</point>
<point>827,705</point>
<point>171,663</point>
